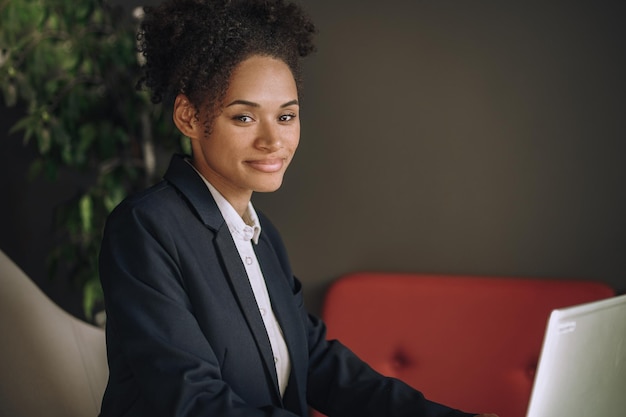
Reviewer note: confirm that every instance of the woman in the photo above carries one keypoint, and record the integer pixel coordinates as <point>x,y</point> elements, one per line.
<point>204,316</point>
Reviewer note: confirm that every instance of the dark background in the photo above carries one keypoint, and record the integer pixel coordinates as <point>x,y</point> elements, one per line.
<point>456,136</point>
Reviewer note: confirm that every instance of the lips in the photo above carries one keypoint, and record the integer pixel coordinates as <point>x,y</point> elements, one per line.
<point>267,165</point>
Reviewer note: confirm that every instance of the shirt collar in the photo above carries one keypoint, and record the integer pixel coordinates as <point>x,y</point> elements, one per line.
<point>246,227</point>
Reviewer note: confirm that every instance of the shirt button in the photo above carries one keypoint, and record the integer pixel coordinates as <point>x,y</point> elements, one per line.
<point>262,310</point>
<point>248,260</point>
<point>248,232</point>
<point>275,359</point>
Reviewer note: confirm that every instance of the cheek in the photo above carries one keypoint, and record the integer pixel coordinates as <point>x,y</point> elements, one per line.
<point>295,143</point>
<point>294,138</point>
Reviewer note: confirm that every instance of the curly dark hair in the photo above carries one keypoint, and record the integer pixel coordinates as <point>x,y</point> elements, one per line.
<point>192,46</point>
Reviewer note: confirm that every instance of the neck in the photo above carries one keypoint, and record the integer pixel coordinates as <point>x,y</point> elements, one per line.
<point>237,198</point>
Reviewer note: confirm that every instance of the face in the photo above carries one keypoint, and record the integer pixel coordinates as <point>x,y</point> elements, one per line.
<point>254,137</point>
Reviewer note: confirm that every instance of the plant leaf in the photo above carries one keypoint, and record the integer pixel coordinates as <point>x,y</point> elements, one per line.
<point>86,213</point>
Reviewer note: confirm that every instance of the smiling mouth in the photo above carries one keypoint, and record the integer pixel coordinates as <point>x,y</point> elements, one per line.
<point>267,165</point>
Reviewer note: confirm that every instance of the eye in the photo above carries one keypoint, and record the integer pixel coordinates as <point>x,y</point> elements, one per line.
<point>287,117</point>
<point>243,118</point>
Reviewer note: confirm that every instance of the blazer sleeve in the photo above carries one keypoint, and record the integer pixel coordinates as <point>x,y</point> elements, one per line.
<point>341,384</point>
<point>169,366</point>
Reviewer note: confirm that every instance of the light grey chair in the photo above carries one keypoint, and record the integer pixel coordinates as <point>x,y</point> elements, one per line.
<point>51,363</point>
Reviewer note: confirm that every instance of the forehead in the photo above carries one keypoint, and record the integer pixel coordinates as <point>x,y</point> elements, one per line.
<point>262,78</point>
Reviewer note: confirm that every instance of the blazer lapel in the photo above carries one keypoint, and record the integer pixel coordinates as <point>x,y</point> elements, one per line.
<point>288,316</point>
<point>247,301</point>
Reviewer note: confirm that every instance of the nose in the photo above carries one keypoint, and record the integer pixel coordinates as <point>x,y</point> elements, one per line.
<point>269,138</point>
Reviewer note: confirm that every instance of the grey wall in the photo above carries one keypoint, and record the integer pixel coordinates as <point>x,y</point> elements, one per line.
<point>460,137</point>
<point>454,137</point>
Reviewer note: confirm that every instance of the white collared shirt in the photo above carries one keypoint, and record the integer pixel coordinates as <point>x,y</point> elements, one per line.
<point>245,231</point>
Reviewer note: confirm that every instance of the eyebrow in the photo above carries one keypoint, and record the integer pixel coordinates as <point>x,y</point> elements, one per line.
<point>253,104</point>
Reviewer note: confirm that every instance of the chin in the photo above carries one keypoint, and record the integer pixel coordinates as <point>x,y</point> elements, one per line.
<point>266,182</point>
<point>268,187</point>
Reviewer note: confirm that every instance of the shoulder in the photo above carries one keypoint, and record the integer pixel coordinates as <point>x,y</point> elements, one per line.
<point>159,209</point>
<point>157,198</point>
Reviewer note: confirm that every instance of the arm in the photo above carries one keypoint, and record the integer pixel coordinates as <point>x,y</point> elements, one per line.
<point>342,384</point>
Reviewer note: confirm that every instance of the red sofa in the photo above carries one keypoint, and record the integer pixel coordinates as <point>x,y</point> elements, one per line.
<point>469,342</point>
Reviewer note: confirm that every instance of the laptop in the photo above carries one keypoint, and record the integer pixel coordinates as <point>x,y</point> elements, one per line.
<point>582,368</point>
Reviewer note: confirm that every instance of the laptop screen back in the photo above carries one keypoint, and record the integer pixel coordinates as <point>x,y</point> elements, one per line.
<point>582,369</point>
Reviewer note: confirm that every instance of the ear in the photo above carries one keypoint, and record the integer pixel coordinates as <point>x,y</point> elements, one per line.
<point>184,116</point>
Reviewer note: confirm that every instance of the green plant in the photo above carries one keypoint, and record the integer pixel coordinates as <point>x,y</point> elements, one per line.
<point>73,65</point>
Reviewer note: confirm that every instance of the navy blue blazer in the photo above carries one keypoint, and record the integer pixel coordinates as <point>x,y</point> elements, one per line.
<point>184,334</point>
